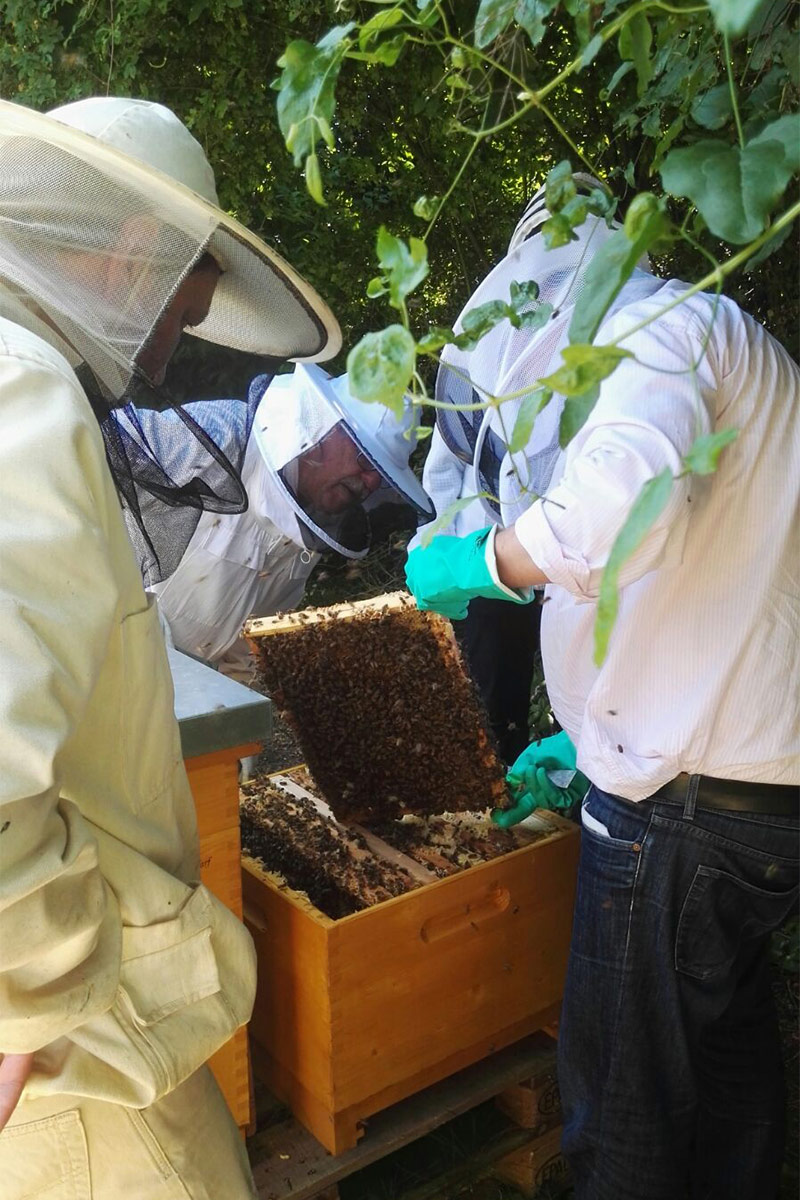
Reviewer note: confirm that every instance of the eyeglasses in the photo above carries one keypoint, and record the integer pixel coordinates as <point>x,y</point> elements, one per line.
<point>363,463</point>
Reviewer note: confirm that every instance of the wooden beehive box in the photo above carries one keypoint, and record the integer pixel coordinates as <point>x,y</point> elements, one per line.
<point>214,780</point>
<point>220,722</point>
<point>354,1014</point>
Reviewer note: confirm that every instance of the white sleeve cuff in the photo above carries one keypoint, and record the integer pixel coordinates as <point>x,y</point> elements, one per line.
<point>520,595</point>
<point>539,542</point>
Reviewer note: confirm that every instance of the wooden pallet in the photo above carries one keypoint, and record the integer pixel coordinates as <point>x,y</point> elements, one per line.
<point>288,1162</point>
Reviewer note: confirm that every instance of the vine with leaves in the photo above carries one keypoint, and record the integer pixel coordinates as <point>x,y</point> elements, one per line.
<point>711,89</point>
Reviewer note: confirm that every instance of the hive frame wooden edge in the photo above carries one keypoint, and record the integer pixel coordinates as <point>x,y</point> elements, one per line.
<point>259,627</point>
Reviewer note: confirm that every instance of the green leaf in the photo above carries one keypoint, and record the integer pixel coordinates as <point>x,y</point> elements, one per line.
<point>769,247</point>
<point>444,521</point>
<point>478,321</point>
<point>622,70</point>
<point>436,337</point>
<point>380,367</point>
<point>664,143</point>
<point>583,367</point>
<point>405,265</point>
<point>425,207</point>
<point>492,18</point>
<point>306,90</point>
<point>314,179</point>
<point>557,231</point>
<point>575,414</point>
<point>614,263</point>
<point>591,50</point>
<point>534,318</point>
<point>387,18</point>
<point>385,52</point>
<point>560,187</point>
<point>786,132</point>
<point>734,188</point>
<point>646,510</point>
<point>704,452</point>
<point>713,109</point>
<point>523,293</point>
<point>530,407</point>
<point>635,40</point>
<point>733,16</point>
<point>530,14</point>
<point>376,287</point>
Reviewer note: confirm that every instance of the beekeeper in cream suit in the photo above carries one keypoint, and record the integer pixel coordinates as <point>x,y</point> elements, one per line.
<point>317,462</point>
<point>119,973</point>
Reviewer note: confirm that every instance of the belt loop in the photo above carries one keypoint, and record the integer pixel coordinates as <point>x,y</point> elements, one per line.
<point>691,797</point>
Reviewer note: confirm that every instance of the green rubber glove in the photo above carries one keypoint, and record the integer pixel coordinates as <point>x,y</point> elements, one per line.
<point>447,573</point>
<point>533,788</point>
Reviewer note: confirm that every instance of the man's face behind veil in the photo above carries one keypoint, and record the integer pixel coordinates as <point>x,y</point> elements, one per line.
<point>335,476</point>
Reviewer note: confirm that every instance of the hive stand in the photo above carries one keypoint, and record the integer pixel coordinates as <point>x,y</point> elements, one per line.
<point>220,722</point>
<point>288,1162</point>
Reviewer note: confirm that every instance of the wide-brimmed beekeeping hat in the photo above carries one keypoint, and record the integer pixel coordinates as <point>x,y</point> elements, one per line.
<point>72,179</point>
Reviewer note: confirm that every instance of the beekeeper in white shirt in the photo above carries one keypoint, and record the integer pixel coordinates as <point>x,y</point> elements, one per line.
<point>317,461</point>
<point>670,1061</point>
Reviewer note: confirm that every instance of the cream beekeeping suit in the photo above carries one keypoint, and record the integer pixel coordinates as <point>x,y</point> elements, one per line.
<point>257,563</point>
<point>117,969</point>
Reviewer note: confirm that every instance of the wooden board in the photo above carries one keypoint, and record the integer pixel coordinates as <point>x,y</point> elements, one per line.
<point>540,1162</point>
<point>259,627</point>
<point>214,780</point>
<point>288,1162</point>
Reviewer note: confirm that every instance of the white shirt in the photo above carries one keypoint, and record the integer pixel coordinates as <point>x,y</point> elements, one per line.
<point>702,669</point>
<point>234,567</point>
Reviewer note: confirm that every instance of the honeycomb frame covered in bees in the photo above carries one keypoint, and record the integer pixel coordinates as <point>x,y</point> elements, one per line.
<point>388,720</point>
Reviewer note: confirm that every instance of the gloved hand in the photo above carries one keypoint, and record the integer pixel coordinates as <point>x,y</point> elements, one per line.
<point>447,573</point>
<point>531,786</point>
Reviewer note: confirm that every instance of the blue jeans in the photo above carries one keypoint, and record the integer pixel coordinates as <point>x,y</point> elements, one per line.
<point>670,1062</point>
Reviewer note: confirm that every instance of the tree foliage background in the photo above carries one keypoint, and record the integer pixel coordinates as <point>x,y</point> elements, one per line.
<point>422,126</point>
<point>398,128</point>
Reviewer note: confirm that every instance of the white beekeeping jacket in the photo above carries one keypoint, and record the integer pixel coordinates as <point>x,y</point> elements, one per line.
<point>508,361</point>
<point>235,567</point>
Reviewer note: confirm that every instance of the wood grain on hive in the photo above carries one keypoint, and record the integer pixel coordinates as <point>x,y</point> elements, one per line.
<point>352,1015</point>
<point>214,780</point>
<point>388,720</point>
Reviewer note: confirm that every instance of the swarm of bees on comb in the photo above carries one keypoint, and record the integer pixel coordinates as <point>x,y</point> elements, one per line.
<point>387,718</point>
<point>400,773</point>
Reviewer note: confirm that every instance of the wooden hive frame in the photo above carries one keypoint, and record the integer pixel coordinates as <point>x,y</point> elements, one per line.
<point>404,726</point>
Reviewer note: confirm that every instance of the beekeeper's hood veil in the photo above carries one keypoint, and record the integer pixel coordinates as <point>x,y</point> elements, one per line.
<point>509,360</point>
<point>123,183</point>
<point>106,206</point>
<point>293,427</point>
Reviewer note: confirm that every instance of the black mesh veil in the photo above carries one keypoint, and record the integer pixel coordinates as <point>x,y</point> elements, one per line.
<point>107,256</point>
<point>173,459</point>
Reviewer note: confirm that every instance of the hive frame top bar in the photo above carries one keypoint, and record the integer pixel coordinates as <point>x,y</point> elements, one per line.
<point>258,627</point>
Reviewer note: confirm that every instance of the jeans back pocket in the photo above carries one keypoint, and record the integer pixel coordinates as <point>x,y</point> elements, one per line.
<point>720,914</point>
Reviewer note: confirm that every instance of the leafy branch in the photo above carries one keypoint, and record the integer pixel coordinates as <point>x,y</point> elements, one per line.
<point>731,184</point>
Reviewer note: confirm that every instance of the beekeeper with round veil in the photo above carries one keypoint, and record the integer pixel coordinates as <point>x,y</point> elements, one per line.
<point>318,463</point>
<point>120,974</point>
